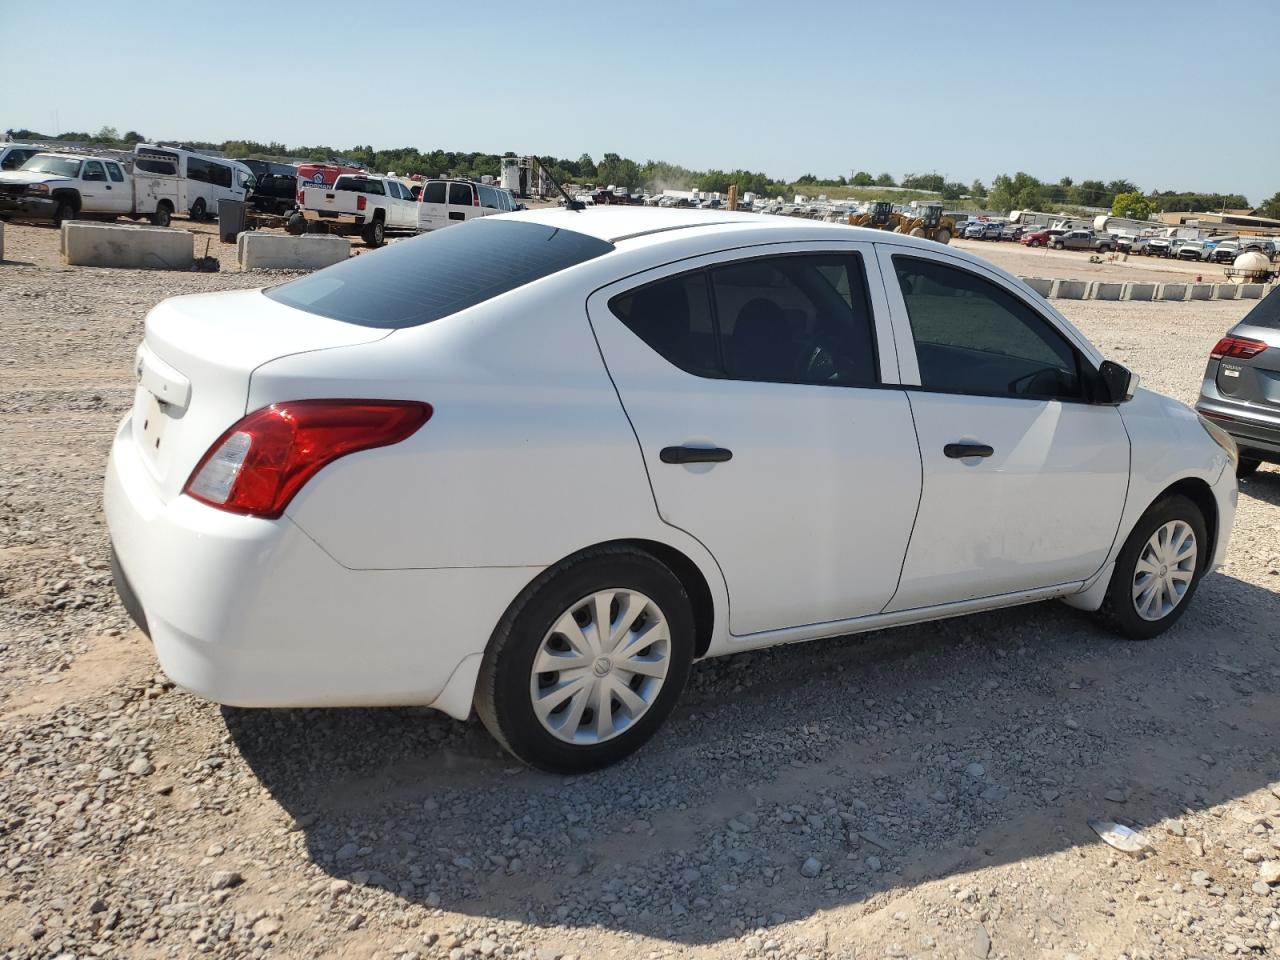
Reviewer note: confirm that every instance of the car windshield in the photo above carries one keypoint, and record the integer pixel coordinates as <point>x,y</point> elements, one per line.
<point>62,166</point>
<point>439,273</point>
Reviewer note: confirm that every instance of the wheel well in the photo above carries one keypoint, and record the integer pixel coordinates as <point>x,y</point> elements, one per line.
<point>694,583</point>
<point>165,205</point>
<point>1198,492</point>
<point>380,214</point>
<point>70,196</point>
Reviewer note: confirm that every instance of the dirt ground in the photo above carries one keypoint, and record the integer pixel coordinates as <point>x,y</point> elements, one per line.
<point>921,792</point>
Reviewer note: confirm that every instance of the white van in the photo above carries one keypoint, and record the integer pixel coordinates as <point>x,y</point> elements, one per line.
<point>205,180</point>
<point>446,202</point>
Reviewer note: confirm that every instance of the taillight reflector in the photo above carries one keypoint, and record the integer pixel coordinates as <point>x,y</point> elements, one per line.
<point>259,464</point>
<point>1236,348</point>
<point>361,201</point>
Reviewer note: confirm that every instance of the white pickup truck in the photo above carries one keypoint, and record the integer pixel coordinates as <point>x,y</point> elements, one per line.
<point>66,186</point>
<point>357,203</point>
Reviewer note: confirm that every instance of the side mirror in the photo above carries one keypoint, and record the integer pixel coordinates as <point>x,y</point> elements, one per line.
<point>1118,383</point>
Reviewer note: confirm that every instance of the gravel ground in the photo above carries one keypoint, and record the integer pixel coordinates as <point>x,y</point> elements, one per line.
<point>921,792</point>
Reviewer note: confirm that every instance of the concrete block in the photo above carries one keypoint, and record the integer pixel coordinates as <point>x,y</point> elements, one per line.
<point>1140,291</point>
<point>1252,291</point>
<point>1171,291</point>
<point>274,251</point>
<point>1226,291</point>
<point>1105,290</point>
<point>1041,285</point>
<point>1071,289</point>
<point>112,245</point>
<point>1201,291</point>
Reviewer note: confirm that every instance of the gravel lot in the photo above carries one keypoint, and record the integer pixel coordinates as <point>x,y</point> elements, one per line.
<point>921,792</point>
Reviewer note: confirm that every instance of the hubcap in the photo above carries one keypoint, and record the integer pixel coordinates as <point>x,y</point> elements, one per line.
<point>600,667</point>
<point>1165,569</point>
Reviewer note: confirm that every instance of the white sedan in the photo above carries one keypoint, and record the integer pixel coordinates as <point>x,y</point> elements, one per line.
<point>537,465</point>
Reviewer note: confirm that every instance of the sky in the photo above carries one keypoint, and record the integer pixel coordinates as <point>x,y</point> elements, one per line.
<point>1160,94</point>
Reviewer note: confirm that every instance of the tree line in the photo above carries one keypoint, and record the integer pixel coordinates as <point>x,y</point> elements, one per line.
<point>1019,191</point>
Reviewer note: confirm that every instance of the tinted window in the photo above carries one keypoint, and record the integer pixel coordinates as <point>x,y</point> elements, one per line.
<point>460,193</point>
<point>433,192</point>
<point>488,197</point>
<point>16,158</point>
<point>156,165</point>
<point>198,169</point>
<point>798,319</point>
<point>674,318</point>
<point>93,171</point>
<point>219,174</point>
<point>438,273</point>
<point>1266,313</point>
<point>973,336</point>
<point>393,189</point>
<point>115,173</point>
<point>359,185</point>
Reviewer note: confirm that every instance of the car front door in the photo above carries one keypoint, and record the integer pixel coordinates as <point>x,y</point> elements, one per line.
<point>93,187</point>
<point>1024,478</point>
<point>759,385</point>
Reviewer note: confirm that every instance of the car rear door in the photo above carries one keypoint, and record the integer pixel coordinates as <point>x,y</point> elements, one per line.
<point>462,203</point>
<point>760,385</point>
<point>119,192</point>
<point>432,210</point>
<point>1024,480</point>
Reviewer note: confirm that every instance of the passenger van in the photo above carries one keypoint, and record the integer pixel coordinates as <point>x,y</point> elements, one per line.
<point>205,180</point>
<point>446,202</point>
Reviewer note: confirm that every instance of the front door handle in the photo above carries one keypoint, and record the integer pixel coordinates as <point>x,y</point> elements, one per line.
<point>958,451</point>
<point>695,454</point>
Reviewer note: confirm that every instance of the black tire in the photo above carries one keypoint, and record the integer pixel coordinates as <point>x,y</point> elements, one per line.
<point>1247,466</point>
<point>374,234</point>
<point>1058,246</point>
<point>296,225</point>
<point>1119,611</point>
<point>63,212</point>
<point>316,226</point>
<point>1034,243</point>
<point>503,697</point>
<point>199,211</point>
<point>163,215</point>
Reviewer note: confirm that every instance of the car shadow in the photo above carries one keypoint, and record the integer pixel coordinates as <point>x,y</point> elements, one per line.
<point>891,758</point>
<point>1263,485</point>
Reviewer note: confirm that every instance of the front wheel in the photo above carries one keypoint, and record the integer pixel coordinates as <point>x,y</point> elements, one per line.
<point>1034,243</point>
<point>588,661</point>
<point>1158,570</point>
<point>1058,246</point>
<point>63,212</point>
<point>943,235</point>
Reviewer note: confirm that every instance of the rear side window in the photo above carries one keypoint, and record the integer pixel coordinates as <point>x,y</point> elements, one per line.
<point>488,197</point>
<point>438,273</point>
<point>114,172</point>
<point>433,192</point>
<point>972,336</point>
<point>460,193</point>
<point>674,318</point>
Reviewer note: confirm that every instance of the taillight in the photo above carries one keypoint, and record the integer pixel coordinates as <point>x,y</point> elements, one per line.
<point>1236,348</point>
<point>300,197</point>
<point>475,197</point>
<point>361,201</point>
<point>258,465</point>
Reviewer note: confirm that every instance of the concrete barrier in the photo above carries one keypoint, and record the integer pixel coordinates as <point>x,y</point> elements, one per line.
<point>1201,291</point>
<point>1105,290</point>
<point>1140,291</point>
<point>1226,291</point>
<point>112,245</point>
<point>273,251</point>
<point>1171,291</point>
<point>1072,289</point>
<point>1041,285</point>
<point>1252,291</point>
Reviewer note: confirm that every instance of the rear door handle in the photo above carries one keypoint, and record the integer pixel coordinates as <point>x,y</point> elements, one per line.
<point>958,451</point>
<point>695,454</point>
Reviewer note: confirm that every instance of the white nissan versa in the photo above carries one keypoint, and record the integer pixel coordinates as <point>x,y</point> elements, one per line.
<point>538,464</point>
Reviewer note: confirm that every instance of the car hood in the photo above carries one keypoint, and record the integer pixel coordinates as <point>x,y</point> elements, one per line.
<point>31,176</point>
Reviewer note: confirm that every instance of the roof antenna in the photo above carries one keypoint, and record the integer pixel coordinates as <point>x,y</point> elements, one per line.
<point>569,202</point>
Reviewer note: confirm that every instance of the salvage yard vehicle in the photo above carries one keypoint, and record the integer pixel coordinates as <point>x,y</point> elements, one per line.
<point>357,203</point>
<point>1129,244</point>
<point>14,155</point>
<point>204,181</point>
<point>1041,238</point>
<point>1082,240</point>
<point>1160,247</point>
<point>540,463</point>
<point>1241,387</point>
<point>275,187</point>
<point>444,203</point>
<point>1191,250</point>
<point>1225,252</point>
<point>71,186</point>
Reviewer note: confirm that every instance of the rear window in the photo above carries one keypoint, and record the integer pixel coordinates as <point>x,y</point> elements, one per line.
<point>1266,313</point>
<point>460,193</point>
<point>359,185</point>
<point>433,192</point>
<point>439,273</point>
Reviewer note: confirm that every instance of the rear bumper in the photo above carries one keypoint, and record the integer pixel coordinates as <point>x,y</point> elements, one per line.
<point>33,208</point>
<point>340,219</point>
<point>252,613</point>
<point>1256,431</point>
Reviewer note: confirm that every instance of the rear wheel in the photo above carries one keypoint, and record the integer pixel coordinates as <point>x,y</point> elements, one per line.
<point>1158,570</point>
<point>1247,466</point>
<point>374,234</point>
<point>918,232</point>
<point>162,216</point>
<point>1058,245</point>
<point>1034,243</point>
<point>588,661</point>
<point>943,235</point>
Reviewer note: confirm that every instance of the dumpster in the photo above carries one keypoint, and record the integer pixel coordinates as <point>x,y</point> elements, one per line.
<point>231,218</point>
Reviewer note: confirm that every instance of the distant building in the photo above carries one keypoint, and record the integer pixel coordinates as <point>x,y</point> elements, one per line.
<point>1233,221</point>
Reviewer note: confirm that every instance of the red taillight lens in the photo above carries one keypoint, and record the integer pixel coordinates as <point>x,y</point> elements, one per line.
<point>475,197</point>
<point>1236,348</point>
<point>258,465</point>
<point>361,202</point>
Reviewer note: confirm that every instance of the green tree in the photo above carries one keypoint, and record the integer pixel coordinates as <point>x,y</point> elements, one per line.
<point>952,190</point>
<point>1271,208</point>
<point>885,180</point>
<point>977,189</point>
<point>862,179</point>
<point>1019,192</point>
<point>924,181</point>
<point>1091,193</point>
<point>1132,205</point>
<point>586,167</point>
<point>133,136</point>
<point>107,135</point>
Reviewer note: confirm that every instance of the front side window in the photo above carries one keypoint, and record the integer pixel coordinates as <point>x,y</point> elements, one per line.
<point>460,193</point>
<point>973,336</point>
<point>93,172</point>
<point>794,319</point>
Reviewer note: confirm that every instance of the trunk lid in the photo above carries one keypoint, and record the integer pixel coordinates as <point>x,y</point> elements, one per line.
<point>195,364</point>
<point>1254,379</point>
